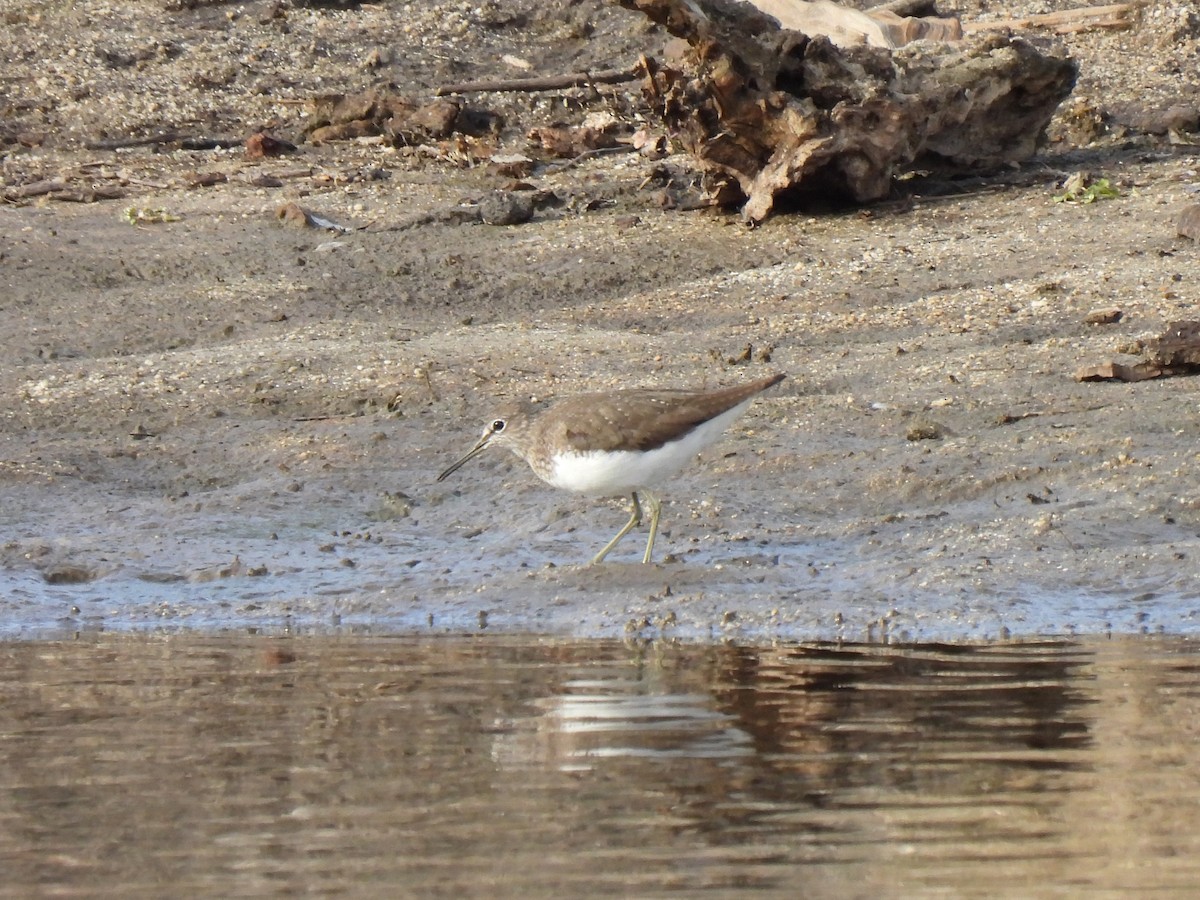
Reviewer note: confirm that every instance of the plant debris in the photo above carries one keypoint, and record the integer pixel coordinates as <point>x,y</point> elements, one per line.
<point>1082,188</point>
<point>1174,352</point>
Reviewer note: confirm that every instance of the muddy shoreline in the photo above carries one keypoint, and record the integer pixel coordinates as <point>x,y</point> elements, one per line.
<point>217,421</point>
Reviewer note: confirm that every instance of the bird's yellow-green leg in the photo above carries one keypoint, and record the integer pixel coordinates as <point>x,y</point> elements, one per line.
<point>635,519</point>
<point>655,508</point>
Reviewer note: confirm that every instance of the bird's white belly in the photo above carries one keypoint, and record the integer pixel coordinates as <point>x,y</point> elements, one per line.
<point>611,472</point>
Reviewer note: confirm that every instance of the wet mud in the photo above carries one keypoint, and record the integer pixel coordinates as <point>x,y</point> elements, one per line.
<point>214,419</point>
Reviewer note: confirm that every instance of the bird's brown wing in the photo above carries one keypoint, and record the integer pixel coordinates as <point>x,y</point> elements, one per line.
<point>640,419</point>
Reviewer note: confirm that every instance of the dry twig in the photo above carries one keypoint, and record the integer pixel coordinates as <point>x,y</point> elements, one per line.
<point>543,83</point>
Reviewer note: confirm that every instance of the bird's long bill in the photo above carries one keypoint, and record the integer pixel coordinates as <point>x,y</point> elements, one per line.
<point>474,451</point>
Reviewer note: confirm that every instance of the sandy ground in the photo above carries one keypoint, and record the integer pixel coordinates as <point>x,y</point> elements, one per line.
<point>216,420</point>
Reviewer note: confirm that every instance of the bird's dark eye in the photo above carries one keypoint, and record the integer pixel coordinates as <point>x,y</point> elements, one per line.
<point>498,425</point>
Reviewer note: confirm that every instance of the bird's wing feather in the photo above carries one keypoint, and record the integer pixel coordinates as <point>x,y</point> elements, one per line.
<point>642,419</point>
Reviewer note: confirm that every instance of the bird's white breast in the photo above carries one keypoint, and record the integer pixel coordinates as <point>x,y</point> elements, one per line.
<point>610,472</point>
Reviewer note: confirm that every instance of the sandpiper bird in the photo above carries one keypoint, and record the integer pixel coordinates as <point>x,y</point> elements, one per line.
<point>618,442</point>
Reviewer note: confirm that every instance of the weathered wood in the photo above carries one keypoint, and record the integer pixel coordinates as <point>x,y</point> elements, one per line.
<point>906,8</point>
<point>1066,21</point>
<point>58,189</point>
<point>1174,352</point>
<point>36,189</point>
<point>1178,346</point>
<point>849,27</point>
<point>773,112</point>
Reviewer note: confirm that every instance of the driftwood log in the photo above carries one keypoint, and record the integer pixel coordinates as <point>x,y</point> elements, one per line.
<point>772,113</point>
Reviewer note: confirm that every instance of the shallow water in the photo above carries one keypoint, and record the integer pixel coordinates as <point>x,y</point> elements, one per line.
<point>83,557</point>
<point>246,765</point>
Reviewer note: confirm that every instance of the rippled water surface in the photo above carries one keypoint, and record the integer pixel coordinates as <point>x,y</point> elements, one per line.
<point>245,765</point>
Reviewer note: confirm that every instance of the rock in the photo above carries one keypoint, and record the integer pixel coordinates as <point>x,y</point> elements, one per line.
<point>292,215</point>
<point>68,574</point>
<point>262,145</point>
<point>383,111</point>
<point>206,179</point>
<point>1178,117</point>
<point>504,208</point>
<point>1188,224</point>
<point>1109,316</point>
<point>1112,371</point>
<point>512,165</point>
<point>925,430</point>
